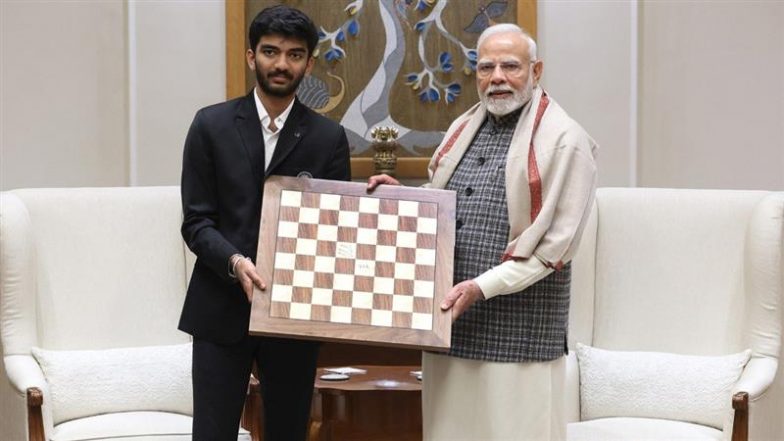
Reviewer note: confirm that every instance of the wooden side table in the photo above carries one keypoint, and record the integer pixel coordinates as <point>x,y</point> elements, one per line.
<point>383,404</point>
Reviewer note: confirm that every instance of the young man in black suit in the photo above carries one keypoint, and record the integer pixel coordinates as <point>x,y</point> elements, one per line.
<point>230,149</point>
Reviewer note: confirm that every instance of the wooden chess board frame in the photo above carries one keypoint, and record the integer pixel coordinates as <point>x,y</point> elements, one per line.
<point>263,321</point>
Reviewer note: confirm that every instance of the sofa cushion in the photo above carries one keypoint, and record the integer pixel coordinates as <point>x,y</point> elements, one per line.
<point>639,429</point>
<point>689,388</point>
<point>136,426</point>
<point>85,383</point>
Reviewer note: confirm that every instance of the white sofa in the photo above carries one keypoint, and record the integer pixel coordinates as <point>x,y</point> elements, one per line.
<point>687,272</point>
<point>86,274</point>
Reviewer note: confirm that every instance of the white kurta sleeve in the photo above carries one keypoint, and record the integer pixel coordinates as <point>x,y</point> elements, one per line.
<point>511,276</point>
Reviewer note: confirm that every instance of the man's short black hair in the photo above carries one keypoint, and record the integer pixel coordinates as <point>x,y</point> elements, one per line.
<point>286,21</point>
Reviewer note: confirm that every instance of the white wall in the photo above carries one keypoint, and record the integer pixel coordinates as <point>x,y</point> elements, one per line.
<point>180,67</point>
<point>101,93</point>
<point>63,108</point>
<point>588,48</point>
<point>712,95</point>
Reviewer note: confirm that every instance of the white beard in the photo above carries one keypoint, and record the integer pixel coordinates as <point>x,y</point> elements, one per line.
<point>505,106</point>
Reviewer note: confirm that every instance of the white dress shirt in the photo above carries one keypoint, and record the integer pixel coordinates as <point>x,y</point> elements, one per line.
<point>270,136</point>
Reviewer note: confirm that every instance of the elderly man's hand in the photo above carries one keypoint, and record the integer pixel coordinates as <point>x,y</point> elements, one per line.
<point>461,297</point>
<point>376,180</point>
<point>248,277</point>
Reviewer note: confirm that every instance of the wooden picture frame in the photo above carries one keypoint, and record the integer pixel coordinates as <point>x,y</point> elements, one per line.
<point>362,166</point>
<point>345,265</point>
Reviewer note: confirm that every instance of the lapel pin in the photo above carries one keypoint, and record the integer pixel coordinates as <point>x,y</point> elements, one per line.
<point>296,134</point>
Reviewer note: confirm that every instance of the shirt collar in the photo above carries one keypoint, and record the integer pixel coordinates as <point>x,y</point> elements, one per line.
<point>264,116</point>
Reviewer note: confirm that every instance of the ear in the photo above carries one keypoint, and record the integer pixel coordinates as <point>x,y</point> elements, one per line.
<point>311,63</point>
<point>538,68</point>
<point>250,57</point>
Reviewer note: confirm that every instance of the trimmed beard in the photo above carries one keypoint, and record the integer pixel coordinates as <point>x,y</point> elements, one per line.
<point>262,80</point>
<point>505,106</point>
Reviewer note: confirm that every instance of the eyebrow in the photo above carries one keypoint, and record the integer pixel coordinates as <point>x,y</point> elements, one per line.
<point>508,60</point>
<point>277,48</point>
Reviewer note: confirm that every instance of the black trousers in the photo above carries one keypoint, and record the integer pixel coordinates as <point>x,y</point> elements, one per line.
<point>287,369</point>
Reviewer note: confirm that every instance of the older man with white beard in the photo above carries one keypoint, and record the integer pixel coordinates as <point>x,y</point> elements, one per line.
<point>525,178</point>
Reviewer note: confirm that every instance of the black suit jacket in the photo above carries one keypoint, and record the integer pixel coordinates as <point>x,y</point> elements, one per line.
<point>222,186</point>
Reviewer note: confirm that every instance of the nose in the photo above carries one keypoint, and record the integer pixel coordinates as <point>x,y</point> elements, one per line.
<point>498,76</point>
<point>280,62</point>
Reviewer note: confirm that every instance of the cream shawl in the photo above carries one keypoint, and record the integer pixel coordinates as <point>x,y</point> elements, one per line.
<point>549,188</point>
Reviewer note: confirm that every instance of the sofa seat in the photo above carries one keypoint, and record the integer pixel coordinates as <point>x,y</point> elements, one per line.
<point>640,429</point>
<point>135,426</point>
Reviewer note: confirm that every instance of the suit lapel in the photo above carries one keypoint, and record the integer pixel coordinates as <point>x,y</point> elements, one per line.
<point>249,128</point>
<point>290,135</point>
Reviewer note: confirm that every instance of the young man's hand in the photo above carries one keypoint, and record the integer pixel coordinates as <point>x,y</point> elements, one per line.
<point>246,274</point>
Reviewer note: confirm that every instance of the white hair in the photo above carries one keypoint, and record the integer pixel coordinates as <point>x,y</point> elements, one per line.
<point>508,28</point>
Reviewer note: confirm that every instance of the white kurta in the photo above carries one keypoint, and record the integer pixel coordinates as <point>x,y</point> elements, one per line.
<point>471,400</point>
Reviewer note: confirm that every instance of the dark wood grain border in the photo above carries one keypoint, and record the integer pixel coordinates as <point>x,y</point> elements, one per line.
<point>437,339</point>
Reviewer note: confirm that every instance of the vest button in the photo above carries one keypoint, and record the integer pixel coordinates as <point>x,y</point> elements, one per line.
<point>469,191</point>
<point>459,224</point>
<point>482,160</point>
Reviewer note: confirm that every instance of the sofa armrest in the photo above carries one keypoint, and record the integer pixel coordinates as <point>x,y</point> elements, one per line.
<point>28,382</point>
<point>757,377</point>
<point>24,373</point>
<point>755,406</point>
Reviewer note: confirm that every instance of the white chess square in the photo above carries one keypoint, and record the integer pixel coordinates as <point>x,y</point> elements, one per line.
<point>303,279</point>
<point>384,285</point>
<point>423,288</point>
<point>306,247</point>
<point>385,253</point>
<point>340,314</point>
<point>403,303</point>
<point>368,205</point>
<point>405,271</point>
<point>408,208</point>
<point>324,264</point>
<point>327,232</point>
<point>346,250</point>
<point>348,219</point>
<point>290,198</point>
<point>387,222</point>
<point>329,201</point>
<point>427,225</point>
<point>365,268</point>
<point>299,311</point>
<point>425,257</point>
<point>422,321</point>
<point>380,318</point>
<point>288,229</point>
<point>362,300</point>
<point>367,236</point>
<point>406,239</point>
<point>281,293</point>
<point>309,215</point>
<point>321,296</point>
<point>285,261</point>
<point>343,282</point>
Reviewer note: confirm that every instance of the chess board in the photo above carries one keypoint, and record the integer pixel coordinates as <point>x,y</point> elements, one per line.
<point>345,265</point>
